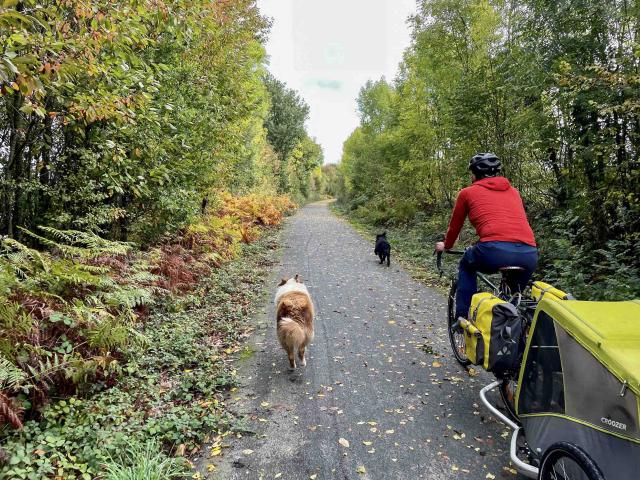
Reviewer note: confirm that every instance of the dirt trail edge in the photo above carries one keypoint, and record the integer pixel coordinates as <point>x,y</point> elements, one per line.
<point>380,397</point>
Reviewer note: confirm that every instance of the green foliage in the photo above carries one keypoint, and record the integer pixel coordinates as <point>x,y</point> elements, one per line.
<point>551,88</point>
<point>121,119</point>
<point>83,245</point>
<point>298,155</point>
<point>170,392</point>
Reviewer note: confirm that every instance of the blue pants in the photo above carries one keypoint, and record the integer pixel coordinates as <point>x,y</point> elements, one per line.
<point>488,257</point>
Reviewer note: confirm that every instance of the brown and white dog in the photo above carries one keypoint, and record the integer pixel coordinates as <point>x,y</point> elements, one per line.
<point>294,316</point>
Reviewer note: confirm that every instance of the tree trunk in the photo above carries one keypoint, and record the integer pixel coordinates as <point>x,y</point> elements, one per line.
<point>15,126</point>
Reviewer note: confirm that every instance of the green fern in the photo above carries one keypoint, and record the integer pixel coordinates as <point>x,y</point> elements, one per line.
<point>84,245</point>
<point>22,257</point>
<point>11,377</point>
<point>128,297</point>
<point>144,277</point>
<point>13,319</point>
<point>108,333</point>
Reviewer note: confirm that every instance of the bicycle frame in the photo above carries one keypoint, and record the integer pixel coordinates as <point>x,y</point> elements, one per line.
<point>483,277</point>
<point>498,290</point>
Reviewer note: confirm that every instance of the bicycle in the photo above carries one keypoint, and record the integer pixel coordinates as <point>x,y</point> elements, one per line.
<point>569,343</point>
<point>526,307</point>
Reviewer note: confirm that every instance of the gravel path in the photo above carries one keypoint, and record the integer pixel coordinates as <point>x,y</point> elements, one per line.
<point>380,397</point>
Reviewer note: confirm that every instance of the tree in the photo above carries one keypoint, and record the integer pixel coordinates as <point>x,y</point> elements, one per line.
<point>284,123</point>
<point>122,119</point>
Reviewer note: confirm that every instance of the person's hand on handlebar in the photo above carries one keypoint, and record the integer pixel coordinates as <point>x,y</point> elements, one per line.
<point>440,247</point>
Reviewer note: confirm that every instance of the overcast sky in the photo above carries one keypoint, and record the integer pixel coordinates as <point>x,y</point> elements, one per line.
<point>328,49</point>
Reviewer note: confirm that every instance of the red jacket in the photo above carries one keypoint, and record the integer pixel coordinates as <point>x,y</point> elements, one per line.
<point>496,211</point>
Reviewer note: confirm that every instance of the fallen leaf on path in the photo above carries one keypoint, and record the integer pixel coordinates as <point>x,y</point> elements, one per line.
<point>436,364</point>
<point>344,442</point>
<point>364,442</point>
<point>247,451</point>
<point>361,470</point>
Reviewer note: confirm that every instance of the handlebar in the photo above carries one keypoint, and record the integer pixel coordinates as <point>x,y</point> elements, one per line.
<point>439,258</point>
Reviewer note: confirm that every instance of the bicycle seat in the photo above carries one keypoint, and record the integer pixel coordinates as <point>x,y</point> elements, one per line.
<point>511,269</point>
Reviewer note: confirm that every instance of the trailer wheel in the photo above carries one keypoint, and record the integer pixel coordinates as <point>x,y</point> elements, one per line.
<point>566,461</point>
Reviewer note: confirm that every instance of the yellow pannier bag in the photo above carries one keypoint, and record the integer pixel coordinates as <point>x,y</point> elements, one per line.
<point>477,335</point>
<point>493,333</point>
<point>540,289</point>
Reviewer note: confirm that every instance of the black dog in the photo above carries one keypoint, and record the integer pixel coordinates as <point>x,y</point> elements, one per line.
<point>383,248</point>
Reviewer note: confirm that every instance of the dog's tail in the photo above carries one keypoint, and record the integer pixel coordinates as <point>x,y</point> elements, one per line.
<point>291,334</point>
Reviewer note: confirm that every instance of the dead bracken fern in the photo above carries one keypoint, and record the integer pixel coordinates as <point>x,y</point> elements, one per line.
<point>8,412</point>
<point>233,221</point>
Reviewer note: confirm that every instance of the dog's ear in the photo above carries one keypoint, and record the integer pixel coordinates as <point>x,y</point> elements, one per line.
<point>282,282</point>
<point>298,278</point>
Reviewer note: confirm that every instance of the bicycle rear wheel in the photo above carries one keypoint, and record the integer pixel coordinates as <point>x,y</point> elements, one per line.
<point>456,335</point>
<point>508,396</point>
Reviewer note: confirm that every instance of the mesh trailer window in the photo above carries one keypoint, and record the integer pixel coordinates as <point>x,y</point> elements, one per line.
<point>542,389</point>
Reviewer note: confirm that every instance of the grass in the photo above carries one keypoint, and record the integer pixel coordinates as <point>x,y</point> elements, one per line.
<point>146,462</point>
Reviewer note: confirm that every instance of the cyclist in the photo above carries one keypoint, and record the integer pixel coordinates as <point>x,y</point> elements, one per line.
<point>496,211</point>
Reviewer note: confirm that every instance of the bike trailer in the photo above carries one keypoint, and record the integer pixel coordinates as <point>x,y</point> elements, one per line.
<point>493,333</point>
<point>580,382</point>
